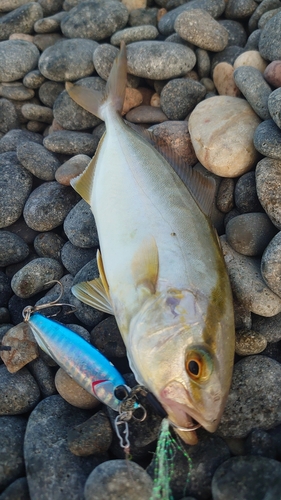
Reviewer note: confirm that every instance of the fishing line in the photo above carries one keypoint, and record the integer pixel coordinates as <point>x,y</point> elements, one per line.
<point>167,447</point>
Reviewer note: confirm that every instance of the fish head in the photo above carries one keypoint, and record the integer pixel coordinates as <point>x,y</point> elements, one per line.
<point>182,350</point>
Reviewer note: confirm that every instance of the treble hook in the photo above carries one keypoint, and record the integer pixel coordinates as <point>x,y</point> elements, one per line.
<point>28,310</point>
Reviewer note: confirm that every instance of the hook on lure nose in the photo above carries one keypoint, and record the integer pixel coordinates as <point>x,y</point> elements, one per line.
<point>29,310</point>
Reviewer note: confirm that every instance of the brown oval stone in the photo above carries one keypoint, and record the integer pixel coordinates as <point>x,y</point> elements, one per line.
<point>73,393</point>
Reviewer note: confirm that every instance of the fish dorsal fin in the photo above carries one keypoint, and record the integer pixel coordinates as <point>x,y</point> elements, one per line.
<point>102,273</point>
<point>93,294</point>
<point>83,183</point>
<point>201,187</point>
<point>145,265</point>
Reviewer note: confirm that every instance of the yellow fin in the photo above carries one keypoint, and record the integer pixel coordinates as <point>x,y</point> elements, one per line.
<point>93,294</point>
<point>102,273</point>
<point>145,265</point>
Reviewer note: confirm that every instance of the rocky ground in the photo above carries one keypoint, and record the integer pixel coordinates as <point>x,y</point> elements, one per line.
<point>205,77</point>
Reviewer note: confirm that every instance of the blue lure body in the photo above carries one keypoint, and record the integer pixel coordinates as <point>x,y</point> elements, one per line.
<point>82,362</point>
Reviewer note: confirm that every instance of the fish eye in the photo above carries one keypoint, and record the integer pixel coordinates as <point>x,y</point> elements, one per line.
<point>198,364</point>
<point>194,367</point>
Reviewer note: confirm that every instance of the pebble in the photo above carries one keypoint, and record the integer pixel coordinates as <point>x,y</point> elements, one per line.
<point>201,29</point>
<point>180,96</point>
<point>35,276</point>
<point>49,91</point>
<point>73,393</point>
<point>107,339</point>
<point>249,234</point>
<point>44,41</point>
<point>134,34</point>
<point>148,59</point>
<point>140,17</point>
<point>272,73</point>
<point>223,117</point>
<point>8,116</point>
<point>260,443</point>
<point>253,40</point>
<point>253,398</point>
<point>11,454</point>
<point>92,437</point>
<point>15,186</point>
<point>224,80</point>
<point>236,32</point>
<point>33,80</point>
<point>118,479</point>
<point>245,194</point>
<point>44,376</point>
<point>48,205</point>
<point>274,106</point>
<point>265,6</point>
<point>247,283</point>
<point>248,343</point>
<point>74,258</point>
<point>103,58</point>
<point>175,135</point>
<point>11,139</point>
<point>71,143</point>
<point>23,347</point>
<point>203,63</point>
<point>49,245</point>
<point>12,248</point>
<point>17,58</point>
<point>72,168</point>
<point>20,20</point>
<point>251,58</point>
<point>255,89</point>
<point>225,195</point>
<point>63,474</point>
<point>38,160</point>
<point>146,114</point>
<point>267,139</point>
<point>239,9</point>
<point>37,113</point>
<point>49,24</point>
<point>271,264</point>
<point>72,116</point>
<point>80,227</point>
<point>16,90</point>
<point>59,62</point>
<point>16,490</point>
<point>229,55</point>
<point>269,328</point>
<point>271,31</point>
<point>51,6</point>
<point>133,98</point>
<point>19,392</point>
<point>259,476</point>
<point>268,173</point>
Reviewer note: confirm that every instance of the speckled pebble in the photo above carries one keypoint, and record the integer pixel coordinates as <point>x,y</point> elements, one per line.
<point>80,227</point>
<point>71,143</point>
<point>146,114</point>
<point>134,34</point>
<point>72,116</point>
<point>249,342</point>
<point>239,9</point>
<point>49,24</point>
<point>35,275</point>
<point>118,478</point>
<point>8,116</point>
<point>247,283</point>
<point>249,234</point>
<point>254,397</point>
<point>16,90</point>
<point>73,393</point>
<point>262,8</point>
<point>17,58</point>
<point>74,258</point>
<point>72,168</point>
<point>180,96</point>
<point>11,139</point>
<point>12,430</point>
<point>269,328</point>
<point>251,58</point>
<point>237,34</point>
<point>272,73</point>
<point>225,195</point>
<point>142,16</point>
<point>255,89</point>
<point>37,113</point>
<point>19,392</point>
<point>274,106</point>
<point>44,376</point>
<point>200,28</point>
<point>12,248</point>
<point>268,174</point>
<point>271,264</point>
<point>229,55</point>
<point>18,490</point>
<point>92,437</point>
<point>49,91</point>
<point>271,31</point>
<point>48,205</point>
<point>203,63</point>
<point>38,160</point>
<point>20,20</point>
<point>34,79</point>
<point>107,339</point>
<point>15,187</point>
<point>59,62</point>
<point>159,60</point>
<point>49,245</point>
<point>267,139</point>
<point>245,194</point>
<point>44,41</point>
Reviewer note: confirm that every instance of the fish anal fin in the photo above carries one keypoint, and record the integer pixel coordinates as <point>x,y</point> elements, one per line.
<point>93,294</point>
<point>102,273</point>
<point>145,265</point>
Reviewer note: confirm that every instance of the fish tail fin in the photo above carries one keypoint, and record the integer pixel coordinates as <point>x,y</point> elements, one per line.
<point>96,102</point>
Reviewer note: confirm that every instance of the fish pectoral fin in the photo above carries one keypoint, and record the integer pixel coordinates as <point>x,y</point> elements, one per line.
<point>93,294</point>
<point>145,265</point>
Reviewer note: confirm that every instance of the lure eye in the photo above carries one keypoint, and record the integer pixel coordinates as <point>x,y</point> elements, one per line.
<point>198,364</point>
<point>120,392</point>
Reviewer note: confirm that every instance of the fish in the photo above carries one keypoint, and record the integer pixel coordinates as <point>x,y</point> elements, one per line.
<point>81,361</point>
<point>161,269</point>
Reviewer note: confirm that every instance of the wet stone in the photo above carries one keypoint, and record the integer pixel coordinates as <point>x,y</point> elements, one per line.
<point>255,89</point>
<point>268,174</point>
<point>270,328</point>
<point>260,443</point>
<point>49,245</point>
<point>80,227</point>
<point>149,59</point>
<point>73,393</point>
<point>48,205</point>
<point>267,139</point>
<point>44,376</point>
<point>19,392</point>
<point>271,264</point>
<point>180,96</point>
<point>71,143</point>
<point>15,186</point>
<point>12,430</point>
<point>16,90</point>
<point>11,139</point>
<point>92,437</point>
<point>259,476</point>
<point>63,474</point>
<point>272,73</point>
<point>72,168</point>
<point>17,58</point>
<point>35,275</point>
<point>249,342</point>
<point>8,116</point>
<point>38,160</point>
<point>72,116</point>
<point>107,339</point>
<point>20,20</point>
<point>49,91</point>
<point>200,28</point>
<point>59,62</point>
<point>118,478</point>
<point>271,31</point>
<point>12,248</point>
<point>245,194</point>
<point>236,32</point>
<point>249,234</point>
<point>74,258</point>
<point>134,34</point>
<point>95,20</point>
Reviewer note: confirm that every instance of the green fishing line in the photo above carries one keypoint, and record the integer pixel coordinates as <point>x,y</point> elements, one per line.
<point>166,450</point>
